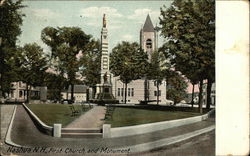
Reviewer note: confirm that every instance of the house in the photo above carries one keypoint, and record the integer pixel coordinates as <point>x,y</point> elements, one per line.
<point>18,92</point>
<point>80,93</point>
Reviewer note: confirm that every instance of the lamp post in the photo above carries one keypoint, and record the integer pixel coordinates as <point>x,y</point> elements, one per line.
<point>0,60</point>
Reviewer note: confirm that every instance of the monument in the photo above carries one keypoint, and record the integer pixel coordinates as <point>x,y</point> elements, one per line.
<point>104,89</point>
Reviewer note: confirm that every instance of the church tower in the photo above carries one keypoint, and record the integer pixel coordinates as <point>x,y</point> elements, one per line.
<point>148,37</point>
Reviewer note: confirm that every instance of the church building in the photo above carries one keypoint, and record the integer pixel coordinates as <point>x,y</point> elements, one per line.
<point>142,89</point>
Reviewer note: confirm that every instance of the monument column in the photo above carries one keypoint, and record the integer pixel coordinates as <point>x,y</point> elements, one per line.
<point>105,52</point>
<point>104,89</point>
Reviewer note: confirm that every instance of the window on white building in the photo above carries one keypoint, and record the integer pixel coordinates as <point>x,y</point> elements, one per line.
<point>12,93</point>
<point>122,91</point>
<point>159,93</point>
<point>132,91</point>
<point>128,91</point>
<point>118,92</point>
<point>20,93</point>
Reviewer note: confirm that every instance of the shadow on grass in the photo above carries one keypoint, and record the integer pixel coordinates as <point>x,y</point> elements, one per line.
<point>166,108</point>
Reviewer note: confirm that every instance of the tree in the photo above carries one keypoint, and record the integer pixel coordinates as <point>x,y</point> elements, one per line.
<point>66,43</point>
<point>129,62</point>
<point>11,19</point>
<point>189,27</point>
<point>91,64</point>
<point>155,71</point>
<point>33,67</point>
<point>177,86</point>
<point>55,83</point>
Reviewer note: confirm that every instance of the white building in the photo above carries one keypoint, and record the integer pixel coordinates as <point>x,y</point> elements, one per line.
<point>140,90</point>
<point>18,92</point>
<point>80,93</point>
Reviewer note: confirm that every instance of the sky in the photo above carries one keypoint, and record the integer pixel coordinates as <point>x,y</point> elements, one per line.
<point>124,18</point>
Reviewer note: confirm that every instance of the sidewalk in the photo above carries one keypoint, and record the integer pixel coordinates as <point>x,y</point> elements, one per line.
<point>6,114</point>
<point>90,119</point>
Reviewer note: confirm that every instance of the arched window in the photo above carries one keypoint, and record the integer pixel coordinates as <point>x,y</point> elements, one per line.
<point>149,43</point>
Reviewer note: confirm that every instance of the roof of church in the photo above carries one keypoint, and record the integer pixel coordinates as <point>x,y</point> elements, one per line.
<point>148,25</point>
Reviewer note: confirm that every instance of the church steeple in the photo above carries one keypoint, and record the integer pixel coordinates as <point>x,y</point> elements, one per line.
<point>148,37</point>
<point>148,25</point>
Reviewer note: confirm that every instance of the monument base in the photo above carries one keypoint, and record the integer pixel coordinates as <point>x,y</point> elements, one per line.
<point>104,95</point>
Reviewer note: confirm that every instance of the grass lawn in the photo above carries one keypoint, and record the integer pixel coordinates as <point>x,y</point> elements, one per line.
<point>55,113</point>
<point>128,116</point>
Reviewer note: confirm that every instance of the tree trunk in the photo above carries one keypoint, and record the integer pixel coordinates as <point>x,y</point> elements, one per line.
<point>72,92</point>
<point>87,96</point>
<point>209,87</point>
<point>122,92</point>
<point>67,94</point>
<point>167,88</point>
<point>200,96</point>
<point>145,89</point>
<point>192,101</point>
<point>157,93</point>
<point>27,91</point>
<point>59,94</point>
<point>126,85</point>
<point>93,92</point>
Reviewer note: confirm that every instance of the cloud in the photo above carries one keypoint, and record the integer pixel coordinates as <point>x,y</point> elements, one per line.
<point>99,11</point>
<point>44,13</point>
<point>127,37</point>
<point>139,13</point>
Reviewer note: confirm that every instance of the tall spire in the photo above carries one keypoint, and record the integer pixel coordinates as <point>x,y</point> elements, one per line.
<point>104,23</point>
<point>148,25</point>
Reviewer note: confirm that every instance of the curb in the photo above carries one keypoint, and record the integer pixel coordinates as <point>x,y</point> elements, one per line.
<point>38,123</point>
<point>8,134</point>
<point>167,141</point>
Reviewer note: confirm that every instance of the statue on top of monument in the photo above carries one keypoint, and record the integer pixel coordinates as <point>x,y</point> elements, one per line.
<point>104,21</point>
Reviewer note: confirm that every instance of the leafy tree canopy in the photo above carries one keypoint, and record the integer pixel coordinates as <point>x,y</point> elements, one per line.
<point>33,64</point>
<point>176,86</point>
<point>91,63</point>
<point>128,62</point>
<point>11,19</point>
<point>67,45</point>
<point>189,26</point>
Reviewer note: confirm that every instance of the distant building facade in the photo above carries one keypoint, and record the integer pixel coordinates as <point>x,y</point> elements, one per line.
<point>204,95</point>
<point>80,93</point>
<point>18,92</point>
